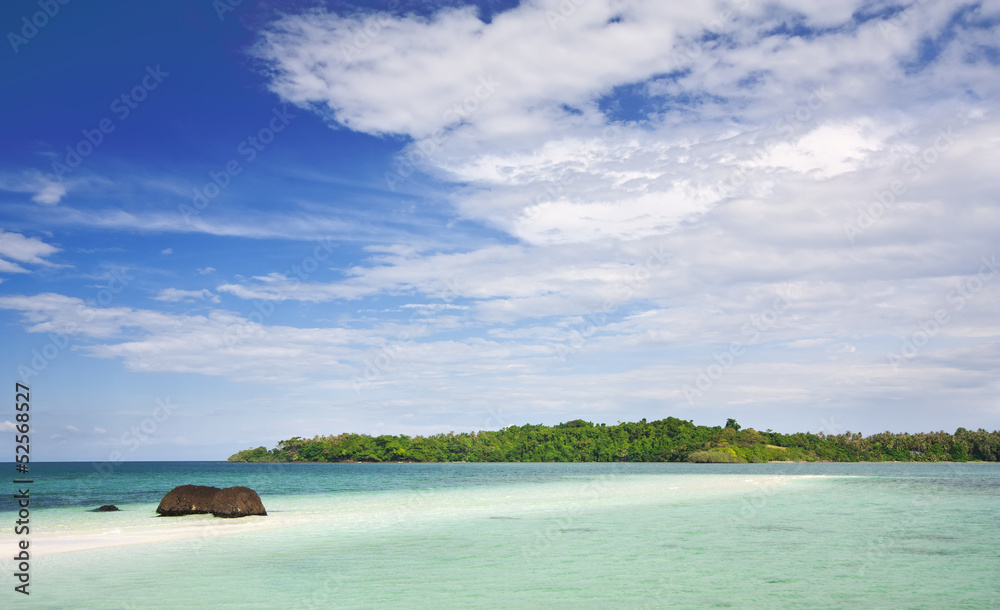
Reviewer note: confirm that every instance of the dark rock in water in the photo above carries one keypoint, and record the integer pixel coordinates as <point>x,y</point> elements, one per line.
<point>237,502</point>
<point>106,508</point>
<point>200,499</point>
<point>187,500</point>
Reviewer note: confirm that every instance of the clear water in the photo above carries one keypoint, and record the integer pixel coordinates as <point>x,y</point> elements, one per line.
<point>518,535</point>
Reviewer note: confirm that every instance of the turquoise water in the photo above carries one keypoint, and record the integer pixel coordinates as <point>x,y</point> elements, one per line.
<point>520,535</point>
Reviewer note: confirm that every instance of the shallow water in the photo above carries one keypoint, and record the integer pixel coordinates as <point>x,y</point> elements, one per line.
<point>521,535</point>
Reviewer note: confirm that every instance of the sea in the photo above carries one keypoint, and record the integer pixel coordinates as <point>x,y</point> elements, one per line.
<point>513,535</point>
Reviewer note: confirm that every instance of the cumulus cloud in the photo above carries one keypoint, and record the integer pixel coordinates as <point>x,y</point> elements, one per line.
<point>554,154</point>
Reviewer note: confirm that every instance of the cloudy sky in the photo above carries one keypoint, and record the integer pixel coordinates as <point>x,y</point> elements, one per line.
<point>229,223</point>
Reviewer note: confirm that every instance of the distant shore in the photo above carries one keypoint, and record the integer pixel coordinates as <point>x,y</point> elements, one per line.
<point>655,462</point>
<point>667,440</point>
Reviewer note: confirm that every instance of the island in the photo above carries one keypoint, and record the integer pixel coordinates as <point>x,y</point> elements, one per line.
<point>666,440</point>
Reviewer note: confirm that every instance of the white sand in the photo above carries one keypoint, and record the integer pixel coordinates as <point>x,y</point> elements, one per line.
<point>138,524</point>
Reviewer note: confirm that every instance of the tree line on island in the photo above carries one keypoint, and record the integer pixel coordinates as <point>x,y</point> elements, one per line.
<point>666,440</point>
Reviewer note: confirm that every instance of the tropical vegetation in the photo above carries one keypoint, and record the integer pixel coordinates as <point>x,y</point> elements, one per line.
<point>666,440</point>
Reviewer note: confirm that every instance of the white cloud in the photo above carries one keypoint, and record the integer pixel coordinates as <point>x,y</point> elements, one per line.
<point>543,162</point>
<point>44,190</point>
<point>219,343</point>
<point>450,56</point>
<point>656,190</point>
<point>29,250</point>
<point>249,225</point>
<point>167,251</point>
<point>175,295</point>
<point>50,193</point>
<point>9,267</point>
<point>434,306</point>
<point>827,151</point>
<point>746,156</point>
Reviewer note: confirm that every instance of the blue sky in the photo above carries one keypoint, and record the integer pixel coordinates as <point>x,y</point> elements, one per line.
<point>228,224</point>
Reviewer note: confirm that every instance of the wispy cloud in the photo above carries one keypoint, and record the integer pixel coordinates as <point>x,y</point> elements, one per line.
<point>176,295</point>
<point>27,250</point>
<point>50,193</point>
<point>43,189</point>
<point>247,225</point>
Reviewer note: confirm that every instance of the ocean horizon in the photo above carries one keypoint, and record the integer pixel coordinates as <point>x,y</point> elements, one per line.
<point>628,535</point>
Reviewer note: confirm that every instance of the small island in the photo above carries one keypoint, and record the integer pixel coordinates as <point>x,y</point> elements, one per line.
<point>666,440</point>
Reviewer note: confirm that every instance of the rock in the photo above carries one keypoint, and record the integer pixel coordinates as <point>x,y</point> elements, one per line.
<point>237,502</point>
<point>200,499</point>
<point>106,508</point>
<point>187,500</point>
